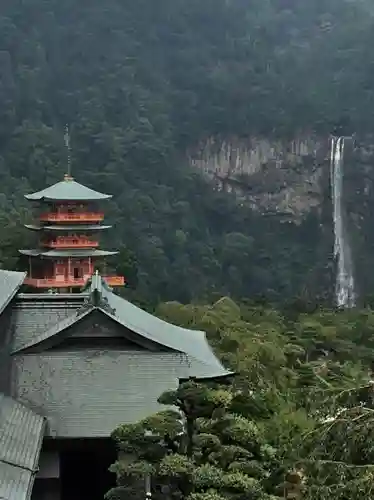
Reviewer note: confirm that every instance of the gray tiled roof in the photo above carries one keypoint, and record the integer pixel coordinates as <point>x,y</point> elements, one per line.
<point>126,387</point>
<point>193,343</point>
<point>77,227</point>
<point>15,483</point>
<point>10,281</point>
<point>53,330</point>
<point>67,190</point>
<point>87,252</point>
<point>21,434</point>
<point>31,318</point>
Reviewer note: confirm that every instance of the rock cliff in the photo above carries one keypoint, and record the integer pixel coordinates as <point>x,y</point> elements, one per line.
<point>291,180</point>
<point>283,177</point>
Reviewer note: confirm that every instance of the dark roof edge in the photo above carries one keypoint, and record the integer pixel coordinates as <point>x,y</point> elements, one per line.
<point>81,227</point>
<point>46,198</point>
<point>71,252</point>
<point>210,378</point>
<point>40,441</point>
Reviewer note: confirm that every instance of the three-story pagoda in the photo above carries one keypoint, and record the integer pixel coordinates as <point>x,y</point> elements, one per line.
<point>68,225</point>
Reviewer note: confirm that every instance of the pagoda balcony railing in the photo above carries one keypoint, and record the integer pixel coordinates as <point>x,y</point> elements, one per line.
<point>115,280</point>
<point>72,217</point>
<point>71,242</point>
<point>70,282</point>
<point>55,283</point>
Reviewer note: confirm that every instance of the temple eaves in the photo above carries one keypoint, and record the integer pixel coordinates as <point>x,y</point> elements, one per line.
<point>67,190</point>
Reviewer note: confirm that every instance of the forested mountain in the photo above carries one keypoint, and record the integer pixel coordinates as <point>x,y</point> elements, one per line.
<point>142,85</point>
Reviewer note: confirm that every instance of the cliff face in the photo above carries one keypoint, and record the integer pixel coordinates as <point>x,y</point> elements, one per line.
<point>271,176</point>
<point>291,180</point>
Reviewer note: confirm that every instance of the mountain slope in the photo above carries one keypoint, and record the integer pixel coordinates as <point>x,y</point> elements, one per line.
<point>143,85</point>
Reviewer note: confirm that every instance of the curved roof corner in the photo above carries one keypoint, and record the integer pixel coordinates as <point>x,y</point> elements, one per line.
<point>193,343</point>
<point>202,363</point>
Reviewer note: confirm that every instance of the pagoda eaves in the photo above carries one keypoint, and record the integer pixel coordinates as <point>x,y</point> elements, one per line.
<point>63,227</point>
<point>67,252</point>
<point>67,190</point>
<point>72,252</point>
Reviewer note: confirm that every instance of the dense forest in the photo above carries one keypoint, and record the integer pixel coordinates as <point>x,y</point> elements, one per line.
<point>140,83</point>
<point>294,422</point>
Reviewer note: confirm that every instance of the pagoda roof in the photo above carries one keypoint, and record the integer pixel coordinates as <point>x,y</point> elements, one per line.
<point>76,227</point>
<point>79,252</point>
<point>99,297</point>
<point>67,190</point>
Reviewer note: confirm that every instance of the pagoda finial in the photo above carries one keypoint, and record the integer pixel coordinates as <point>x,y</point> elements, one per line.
<point>67,176</point>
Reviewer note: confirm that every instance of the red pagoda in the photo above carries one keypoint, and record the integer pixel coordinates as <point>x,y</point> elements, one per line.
<point>68,250</point>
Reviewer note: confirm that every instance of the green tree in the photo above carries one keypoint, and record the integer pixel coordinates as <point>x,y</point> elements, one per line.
<point>200,450</point>
<point>303,382</point>
<point>142,86</point>
<point>338,455</point>
<point>127,266</point>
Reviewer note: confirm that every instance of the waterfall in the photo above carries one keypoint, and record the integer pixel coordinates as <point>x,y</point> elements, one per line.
<point>344,284</point>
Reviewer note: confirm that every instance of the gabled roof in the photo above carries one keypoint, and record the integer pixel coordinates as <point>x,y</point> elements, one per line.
<point>203,362</point>
<point>67,190</point>
<point>21,435</point>
<point>35,313</point>
<point>10,282</point>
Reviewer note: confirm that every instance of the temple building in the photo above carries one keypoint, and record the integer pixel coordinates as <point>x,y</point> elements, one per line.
<point>68,221</point>
<point>78,362</point>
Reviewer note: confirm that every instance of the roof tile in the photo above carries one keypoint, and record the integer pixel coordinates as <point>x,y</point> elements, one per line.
<point>10,282</point>
<point>193,343</point>
<point>67,190</point>
<point>127,385</point>
<point>15,484</point>
<point>33,318</point>
<point>21,434</point>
